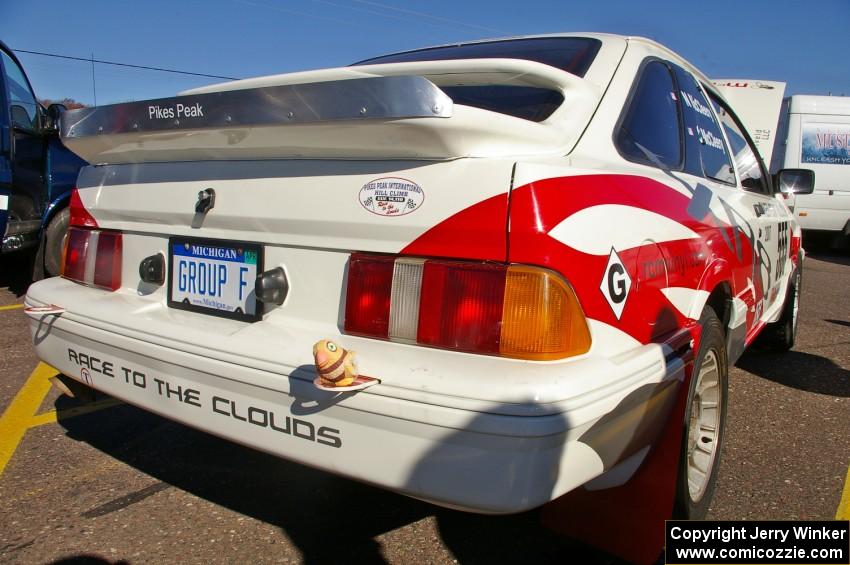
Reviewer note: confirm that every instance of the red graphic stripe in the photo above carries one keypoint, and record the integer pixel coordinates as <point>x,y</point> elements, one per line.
<point>721,253</point>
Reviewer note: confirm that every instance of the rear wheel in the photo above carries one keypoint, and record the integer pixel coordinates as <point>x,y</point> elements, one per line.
<point>54,239</point>
<point>705,422</point>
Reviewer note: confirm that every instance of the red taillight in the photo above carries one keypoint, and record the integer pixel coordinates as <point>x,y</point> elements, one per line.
<point>107,263</point>
<point>93,257</point>
<point>367,303</point>
<point>76,251</point>
<point>510,310</point>
<point>461,305</point>
<point>80,217</point>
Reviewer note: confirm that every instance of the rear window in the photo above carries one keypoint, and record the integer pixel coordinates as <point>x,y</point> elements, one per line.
<point>571,54</point>
<point>650,131</point>
<point>706,151</point>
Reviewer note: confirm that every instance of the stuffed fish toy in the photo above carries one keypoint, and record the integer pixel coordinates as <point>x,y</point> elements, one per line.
<point>336,366</point>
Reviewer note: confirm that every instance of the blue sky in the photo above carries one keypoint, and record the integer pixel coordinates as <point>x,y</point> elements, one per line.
<point>801,43</point>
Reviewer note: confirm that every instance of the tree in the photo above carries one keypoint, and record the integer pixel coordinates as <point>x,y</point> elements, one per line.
<point>69,103</point>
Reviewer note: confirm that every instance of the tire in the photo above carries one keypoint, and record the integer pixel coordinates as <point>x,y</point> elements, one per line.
<point>54,239</point>
<point>37,263</point>
<point>781,334</point>
<point>704,425</point>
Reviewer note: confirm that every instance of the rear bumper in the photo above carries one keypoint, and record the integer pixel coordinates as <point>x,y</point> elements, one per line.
<point>489,457</point>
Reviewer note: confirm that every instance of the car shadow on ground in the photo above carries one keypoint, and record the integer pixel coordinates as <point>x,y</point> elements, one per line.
<point>836,257</point>
<point>827,247</point>
<point>87,559</point>
<point>16,273</point>
<point>309,506</point>
<point>796,369</point>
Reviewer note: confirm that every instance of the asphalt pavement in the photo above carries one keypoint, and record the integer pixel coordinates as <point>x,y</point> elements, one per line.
<point>108,482</point>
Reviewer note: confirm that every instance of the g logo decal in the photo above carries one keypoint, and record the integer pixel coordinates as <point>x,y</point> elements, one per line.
<point>616,283</point>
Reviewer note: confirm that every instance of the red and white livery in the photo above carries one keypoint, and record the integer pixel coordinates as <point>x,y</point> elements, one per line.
<point>547,250</point>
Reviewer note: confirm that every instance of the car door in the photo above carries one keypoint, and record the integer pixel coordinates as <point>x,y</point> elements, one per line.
<point>5,173</point>
<point>5,157</point>
<point>26,147</point>
<point>750,213</point>
<point>773,217</point>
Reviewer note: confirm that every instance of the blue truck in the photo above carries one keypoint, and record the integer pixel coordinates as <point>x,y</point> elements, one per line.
<point>37,172</point>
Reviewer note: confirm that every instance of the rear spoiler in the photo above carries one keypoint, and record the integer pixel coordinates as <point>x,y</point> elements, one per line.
<point>376,111</point>
<point>374,98</point>
<point>450,72</point>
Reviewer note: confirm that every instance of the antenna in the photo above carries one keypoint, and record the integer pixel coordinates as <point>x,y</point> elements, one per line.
<point>93,85</point>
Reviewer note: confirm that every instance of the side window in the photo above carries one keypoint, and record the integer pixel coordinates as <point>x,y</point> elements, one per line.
<point>649,131</point>
<point>746,161</point>
<point>706,151</point>
<point>23,107</point>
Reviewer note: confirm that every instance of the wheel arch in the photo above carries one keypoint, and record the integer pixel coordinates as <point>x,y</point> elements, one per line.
<point>53,208</point>
<point>716,285</point>
<point>720,300</point>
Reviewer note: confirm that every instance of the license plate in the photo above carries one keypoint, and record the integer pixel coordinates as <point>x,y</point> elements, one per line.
<point>214,277</point>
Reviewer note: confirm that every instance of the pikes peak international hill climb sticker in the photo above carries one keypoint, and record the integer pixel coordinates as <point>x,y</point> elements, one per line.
<point>391,196</point>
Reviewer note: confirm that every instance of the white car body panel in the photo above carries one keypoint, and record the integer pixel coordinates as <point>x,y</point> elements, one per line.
<point>478,432</point>
<point>291,201</point>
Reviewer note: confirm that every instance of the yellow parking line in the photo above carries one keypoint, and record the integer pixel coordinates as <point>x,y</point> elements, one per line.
<point>21,413</point>
<point>16,419</point>
<point>843,512</point>
<point>49,417</point>
<point>11,307</point>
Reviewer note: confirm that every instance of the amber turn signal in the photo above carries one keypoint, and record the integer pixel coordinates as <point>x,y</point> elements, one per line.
<point>542,319</point>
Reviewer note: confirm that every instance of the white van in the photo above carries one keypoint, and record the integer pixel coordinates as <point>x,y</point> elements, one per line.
<point>806,131</point>
<point>818,138</point>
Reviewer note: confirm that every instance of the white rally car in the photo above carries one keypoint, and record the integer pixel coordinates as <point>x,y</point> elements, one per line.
<point>529,247</point>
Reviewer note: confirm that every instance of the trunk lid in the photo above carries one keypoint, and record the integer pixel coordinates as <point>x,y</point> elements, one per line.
<point>316,204</point>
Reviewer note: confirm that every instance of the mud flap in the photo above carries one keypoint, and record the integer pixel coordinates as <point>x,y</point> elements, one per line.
<point>628,520</point>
